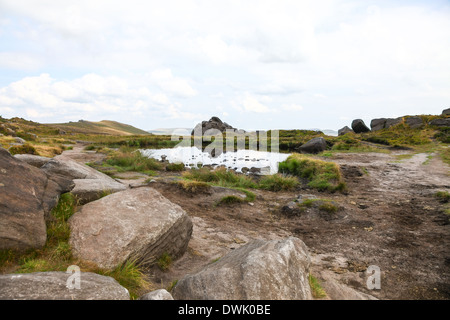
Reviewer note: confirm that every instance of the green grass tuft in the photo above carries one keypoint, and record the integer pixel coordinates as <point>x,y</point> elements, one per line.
<point>23,149</point>
<point>129,276</point>
<point>132,161</point>
<point>321,175</point>
<point>278,182</point>
<point>316,289</point>
<point>443,196</point>
<point>231,199</point>
<point>175,167</point>
<point>164,262</point>
<point>193,186</point>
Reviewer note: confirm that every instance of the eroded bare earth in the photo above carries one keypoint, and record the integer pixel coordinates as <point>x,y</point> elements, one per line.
<point>389,218</point>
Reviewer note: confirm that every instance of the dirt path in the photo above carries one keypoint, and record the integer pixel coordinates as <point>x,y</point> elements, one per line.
<point>389,218</point>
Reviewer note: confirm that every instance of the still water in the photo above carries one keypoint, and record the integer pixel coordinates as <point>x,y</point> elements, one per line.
<point>241,161</point>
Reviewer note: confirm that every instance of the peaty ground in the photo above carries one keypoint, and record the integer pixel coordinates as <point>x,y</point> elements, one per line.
<point>389,218</point>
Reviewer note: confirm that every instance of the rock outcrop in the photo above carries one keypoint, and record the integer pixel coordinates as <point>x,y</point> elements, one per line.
<point>138,224</point>
<point>359,126</point>
<point>446,112</point>
<point>377,124</point>
<point>440,122</point>
<point>213,123</point>
<point>314,145</point>
<point>27,196</point>
<point>90,184</point>
<point>385,123</point>
<point>414,122</point>
<point>260,270</point>
<point>53,286</point>
<point>344,130</point>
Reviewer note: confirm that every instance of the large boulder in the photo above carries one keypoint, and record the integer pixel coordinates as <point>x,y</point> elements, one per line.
<point>314,145</point>
<point>260,270</point>
<point>440,122</point>
<point>377,124</point>
<point>213,123</point>
<point>446,112</point>
<point>138,224</point>
<point>31,159</point>
<point>53,286</point>
<point>359,126</point>
<point>90,184</point>
<point>344,130</point>
<point>27,196</point>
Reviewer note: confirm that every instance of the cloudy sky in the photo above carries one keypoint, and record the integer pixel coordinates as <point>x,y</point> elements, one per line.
<point>256,64</point>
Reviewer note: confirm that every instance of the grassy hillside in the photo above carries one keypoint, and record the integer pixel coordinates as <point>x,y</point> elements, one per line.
<point>50,139</point>
<point>106,127</point>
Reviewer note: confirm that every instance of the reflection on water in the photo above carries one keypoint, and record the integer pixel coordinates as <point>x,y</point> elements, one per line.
<point>244,161</point>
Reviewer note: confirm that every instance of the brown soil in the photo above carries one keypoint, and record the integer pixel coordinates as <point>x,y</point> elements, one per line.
<point>389,218</point>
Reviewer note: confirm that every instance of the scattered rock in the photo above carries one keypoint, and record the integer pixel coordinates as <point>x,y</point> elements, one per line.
<point>33,160</point>
<point>315,145</point>
<point>136,224</point>
<point>160,294</point>
<point>440,122</point>
<point>291,209</point>
<point>254,170</point>
<point>259,270</point>
<point>53,286</point>
<point>359,126</point>
<point>27,196</point>
<point>19,140</point>
<point>344,130</point>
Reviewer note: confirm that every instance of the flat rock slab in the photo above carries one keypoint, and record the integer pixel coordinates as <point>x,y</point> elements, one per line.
<point>87,190</point>
<point>90,184</point>
<point>62,165</point>
<point>53,286</point>
<point>260,270</point>
<point>138,224</point>
<point>35,161</point>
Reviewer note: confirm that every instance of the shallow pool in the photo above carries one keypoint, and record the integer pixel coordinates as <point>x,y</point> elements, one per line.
<point>244,161</point>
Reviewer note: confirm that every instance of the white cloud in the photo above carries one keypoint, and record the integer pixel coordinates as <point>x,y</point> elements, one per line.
<point>250,103</point>
<point>292,107</point>
<point>91,95</point>
<point>171,84</point>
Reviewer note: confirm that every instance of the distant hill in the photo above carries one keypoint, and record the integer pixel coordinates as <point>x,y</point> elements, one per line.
<point>167,131</point>
<point>102,127</point>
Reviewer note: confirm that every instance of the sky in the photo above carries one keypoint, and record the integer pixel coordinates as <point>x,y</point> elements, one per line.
<point>255,64</point>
